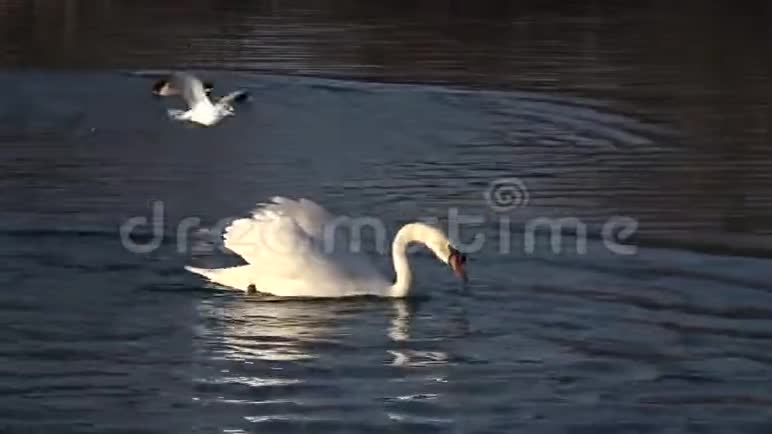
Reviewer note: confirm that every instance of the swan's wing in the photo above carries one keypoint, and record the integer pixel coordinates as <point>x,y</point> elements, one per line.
<point>331,239</point>
<point>282,226</point>
<point>307,214</point>
<point>285,238</point>
<point>264,237</point>
<point>191,87</point>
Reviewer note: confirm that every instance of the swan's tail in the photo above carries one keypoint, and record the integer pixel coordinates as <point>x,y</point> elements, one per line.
<point>206,272</point>
<point>232,277</point>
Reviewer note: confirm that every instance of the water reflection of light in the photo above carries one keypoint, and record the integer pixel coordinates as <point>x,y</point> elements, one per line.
<point>249,331</point>
<point>399,332</point>
<point>279,331</point>
<point>252,381</point>
<point>250,350</point>
<point>400,323</point>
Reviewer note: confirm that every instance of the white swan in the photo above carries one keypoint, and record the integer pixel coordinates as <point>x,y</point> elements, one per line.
<point>201,110</point>
<point>290,250</point>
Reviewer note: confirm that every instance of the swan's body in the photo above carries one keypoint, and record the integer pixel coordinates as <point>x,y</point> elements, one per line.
<point>291,251</point>
<point>201,109</point>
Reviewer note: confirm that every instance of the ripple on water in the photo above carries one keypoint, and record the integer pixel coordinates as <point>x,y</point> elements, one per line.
<point>536,339</point>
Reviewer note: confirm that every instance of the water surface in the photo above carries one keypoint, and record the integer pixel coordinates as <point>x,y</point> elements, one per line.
<point>399,113</point>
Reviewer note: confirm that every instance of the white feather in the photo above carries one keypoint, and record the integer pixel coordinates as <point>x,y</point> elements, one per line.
<point>201,110</point>
<point>289,252</point>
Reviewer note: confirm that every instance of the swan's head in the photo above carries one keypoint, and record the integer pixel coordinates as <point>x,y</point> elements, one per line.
<point>456,261</point>
<point>164,87</point>
<point>439,243</point>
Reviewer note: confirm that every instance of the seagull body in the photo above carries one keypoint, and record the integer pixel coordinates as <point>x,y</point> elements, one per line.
<point>201,109</point>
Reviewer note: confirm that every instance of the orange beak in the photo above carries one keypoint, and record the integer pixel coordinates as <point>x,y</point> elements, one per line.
<point>456,260</point>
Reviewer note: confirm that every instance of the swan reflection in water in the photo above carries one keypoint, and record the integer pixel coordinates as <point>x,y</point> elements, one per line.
<point>399,331</point>
<point>280,330</point>
<point>265,349</point>
<point>250,330</point>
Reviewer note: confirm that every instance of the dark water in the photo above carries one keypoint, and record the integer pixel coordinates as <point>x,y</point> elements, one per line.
<point>654,112</point>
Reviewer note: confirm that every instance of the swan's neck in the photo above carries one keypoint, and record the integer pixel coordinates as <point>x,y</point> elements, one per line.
<point>412,232</point>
